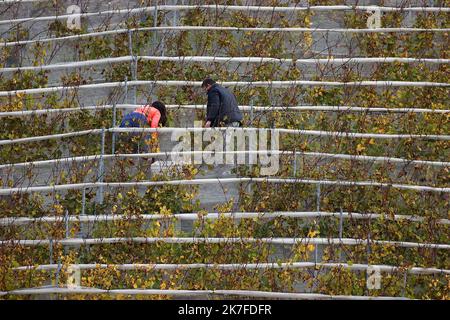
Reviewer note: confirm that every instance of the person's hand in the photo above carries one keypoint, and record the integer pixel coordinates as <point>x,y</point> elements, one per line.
<point>208,124</point>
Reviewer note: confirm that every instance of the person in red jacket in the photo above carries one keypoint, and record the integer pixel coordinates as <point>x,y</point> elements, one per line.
<point>152,116</point>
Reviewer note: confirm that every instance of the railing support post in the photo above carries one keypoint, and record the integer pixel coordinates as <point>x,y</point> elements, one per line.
<point>295,163</point>
<point>318,197</point>
<point>101,169</point>
<point>114,116</point>
<point>341,218</point>
<point>83,228</point>
<point>155,24</point>
<point>133,63</point>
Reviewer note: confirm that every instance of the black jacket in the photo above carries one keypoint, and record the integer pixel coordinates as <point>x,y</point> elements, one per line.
<point>222,106</point>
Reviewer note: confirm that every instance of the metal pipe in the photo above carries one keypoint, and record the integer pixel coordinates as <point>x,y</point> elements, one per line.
<point>217,28</point>
<point>82,218</point>
<point>336,134</point>
<point>168,154</point>
<point>178,240</point>
<point>190,59</point>
<point>75,186</point>
<point>273,84</point>
<point>242,108</point>
<point>268,9</point>
<point>191,293</point>
<point>242,266</point>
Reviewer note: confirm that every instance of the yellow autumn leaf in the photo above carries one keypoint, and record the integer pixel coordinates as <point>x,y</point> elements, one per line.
<point>312,234</point>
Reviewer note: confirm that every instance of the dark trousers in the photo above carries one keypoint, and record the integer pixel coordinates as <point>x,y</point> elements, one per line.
<point>135,142</point>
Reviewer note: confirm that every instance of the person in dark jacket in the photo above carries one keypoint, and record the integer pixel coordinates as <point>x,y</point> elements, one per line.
<point>222,108</point>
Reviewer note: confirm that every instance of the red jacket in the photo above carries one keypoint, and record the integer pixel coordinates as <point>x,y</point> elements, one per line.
<point>152,114</point>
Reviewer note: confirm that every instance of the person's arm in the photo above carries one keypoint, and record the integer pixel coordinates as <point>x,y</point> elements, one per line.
<point>155,120</point>
<point>212,109</point>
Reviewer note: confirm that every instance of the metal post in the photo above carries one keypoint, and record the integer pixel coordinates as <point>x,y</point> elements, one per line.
<point>58,270</point>
<point>340,233</point>
<point>135,78</point>
<point>83,202</point>
<point>316,273</point>
<point>405,278</point>
<point>133,62</point>
<point>318,197</point>
<point>152,92</point>
<point>101,169</point>
<point>125,100</point>
<point>155,24</point>
<point>175,14</point>
<point>251,112</point>
<point>368,255</point>
<point>315,254</point>
<point>295,163</point>
<point>130,42</point>
<point>50,249</point>
<point>66,220</point>
<point>318,209</point>
<point>113,143</point>
<point>83,212</point>
<point>135,87</point>
<point>162,40</point>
